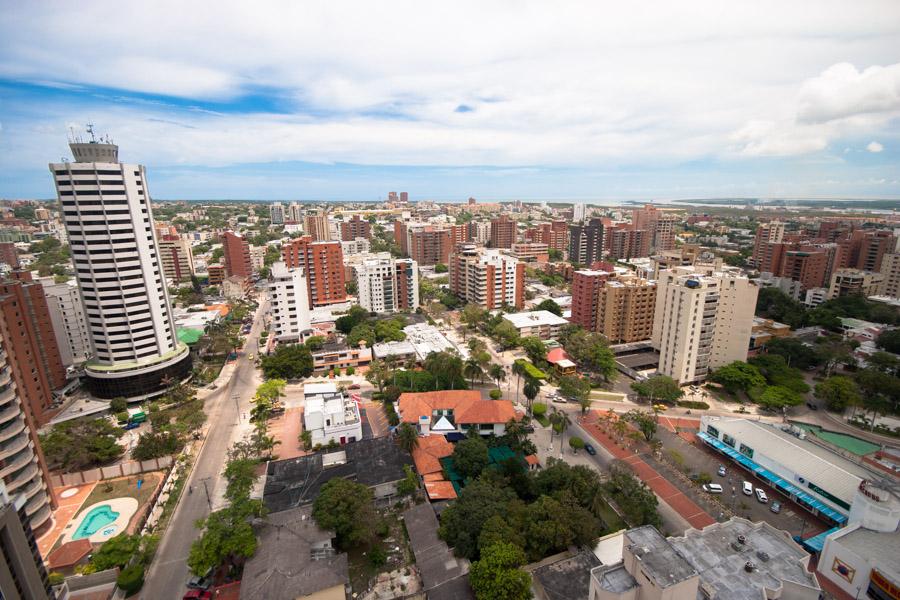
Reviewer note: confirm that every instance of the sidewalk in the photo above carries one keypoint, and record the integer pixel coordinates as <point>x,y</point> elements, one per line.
<point>668,493</point>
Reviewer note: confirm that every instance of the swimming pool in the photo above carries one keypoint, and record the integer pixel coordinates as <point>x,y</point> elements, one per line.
<point>95,520</point>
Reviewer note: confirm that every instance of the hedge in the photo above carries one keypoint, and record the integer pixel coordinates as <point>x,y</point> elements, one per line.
<point>693,404</point>
<point>530,370</point>
<point>131,579</point>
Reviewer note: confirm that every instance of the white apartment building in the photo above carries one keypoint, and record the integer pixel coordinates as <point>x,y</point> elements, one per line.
<point>578,213</point>
<point>488,278</point>
<point>359,245</point>
<point>290,302</point>
<point>482,232</point>
<point>541,323</point>
<point>329,415</point>
<point>109,220</point>
<point>388,284</point>
<point>276,213</point>
<point>257,258</point>
<point>703,320</point>
<point>69,321</point>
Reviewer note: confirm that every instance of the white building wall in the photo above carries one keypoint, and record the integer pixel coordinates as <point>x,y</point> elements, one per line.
<point>69,322</point>
<point>290,302</point>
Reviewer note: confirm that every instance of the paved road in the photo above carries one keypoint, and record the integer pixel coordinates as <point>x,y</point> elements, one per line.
<point>169,573</point>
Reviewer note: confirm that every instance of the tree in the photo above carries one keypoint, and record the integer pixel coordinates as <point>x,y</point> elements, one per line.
<point>227,536</point>
<point>496,576</point>
<point>354,317</point>
<point>776,396</point>
<point>659,387</point>
<point>554,255</point>
<point>472,315</point>
<point>446,368</point>
<point>632,496</point>
<point>407,437</point>
<point>497,373</point>
<point>131,579</point>
<point>289,361</point>
<point>532,389</point>
<point>884,362</point>
<point>738,376</point>
<point>576,443</point>
<point>346,507</point>
<point>117,405</point>
<point>889,340</point>
<point>79,444</point>
<point>116,552</point>
<point>440,268</point>
<point>462,521</point>
<point>776,371</point>
<point>880,391</point>
<point>539,409</point>
<point>315,342</point>
<point>645,422</point>
<point>772,303</point>
<point>591,351</point>
<point>574,387</point>
<point>550,306</point>
<point>505,334</point>
<point>796,353</point>
<point>838,392</point>
<point>560,421</point>
<point>473,370</point>
<point>834,351</point>
<point>535,349</point>
<point>470,457</point>
<point>156,444</point>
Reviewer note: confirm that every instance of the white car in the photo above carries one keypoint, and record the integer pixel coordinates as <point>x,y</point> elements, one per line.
<point>761,495</point>
<point>748,488</point>
<point>712,488</point>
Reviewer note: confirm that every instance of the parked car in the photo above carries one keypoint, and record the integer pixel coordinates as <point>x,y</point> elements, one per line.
<point>761,495</point>
<point>712,488</point>
<point>748,488</point>
<point>721,471</point>
<point>196,594</point>
<point>355,386</point>
<point>775,507</point>
<point>590,449</point>
<point>199,583</point>
<point>812,406</point>
<point>130,425</point>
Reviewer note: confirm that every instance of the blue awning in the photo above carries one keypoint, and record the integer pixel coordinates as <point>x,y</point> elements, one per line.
<point>779,483</point>
<point>816,543</point>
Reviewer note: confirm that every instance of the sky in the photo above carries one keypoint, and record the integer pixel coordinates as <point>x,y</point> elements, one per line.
<point>347,100</point>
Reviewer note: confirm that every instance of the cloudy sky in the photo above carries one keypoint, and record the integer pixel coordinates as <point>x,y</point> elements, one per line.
<point>504,99</point>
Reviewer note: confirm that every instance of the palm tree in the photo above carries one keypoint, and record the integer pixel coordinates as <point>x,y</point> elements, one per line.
<point>473,370</point>
<point>407,437</point>
<point>561,422</point>
<point>532,389</point>
<point>498,373</point>
<point>518,370</point>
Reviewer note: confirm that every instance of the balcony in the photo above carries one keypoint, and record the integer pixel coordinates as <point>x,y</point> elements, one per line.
<point>17,462</point>
<point>27,474</point>
<point>13,429</point>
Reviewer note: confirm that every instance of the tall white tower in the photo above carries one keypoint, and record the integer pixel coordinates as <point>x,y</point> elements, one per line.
<point>290,302</point>
<point>107,215</point>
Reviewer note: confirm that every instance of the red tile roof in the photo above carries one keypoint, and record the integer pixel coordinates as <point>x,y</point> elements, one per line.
<point>556,355</point>
<point>532,459</point>
<point>467,405</point>
<point>68,555</point>
<point>440,490</point>
<point>426,455</point>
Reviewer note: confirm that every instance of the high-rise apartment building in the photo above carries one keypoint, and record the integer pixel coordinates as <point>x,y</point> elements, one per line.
<point>626,308</point>
<point>555,235</point>
<point>315,225</point>
<point>703,321</point>
<point>864,249</point>
<point>289,294</point>
<point>109,221</point>
<point>890,270</point>
<point>855,282</point>
<point>766,233</point>
<point>294,213</point>
<point>503,232</point>
<point>69,322</point>
<point>22,572</point>
<point>323,266</point>
<point>237,255</point>
<point>9,256</point>
<point>578,213</point>
<point>276,213</point>
<point>24,470</point>
<point>480,232</point>
<point>404,197</point>
<point>659,224</point>
<point>388,284</point>
<point>487,278</point>
<point>176,257</point>
<point>30,344</point>
<point>430,245</point>
<point>586,242</point>
<point>626,243</point>
<point>808,267</point>
<point>586,286</point>
<point>355,228</point>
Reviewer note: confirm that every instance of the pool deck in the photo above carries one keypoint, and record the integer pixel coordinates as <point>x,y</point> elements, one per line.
<point>125,506</point>
<point>68,508</point>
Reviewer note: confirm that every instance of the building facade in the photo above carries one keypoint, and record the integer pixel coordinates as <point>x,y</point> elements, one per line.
<point>176,257</point>
<point>586,286</point>
<point>69,322</point>
<point>237,255</point>
<point>276,213</point>
<point>316,227</point>
<point>890,270</point>
<point>323,265</point>
<point>627,243</point>
<point>626,307</point>
<point>487,278</point>
<point>388,284</point>
<point>503,232</point>
<point>289,295</point>
<point>22,572</point>
<point>355,228</point>
<point>430,245</point>
<point>109,221</point>
<point>853,282</point>
<point>586,242</point>
<point>9,256</point>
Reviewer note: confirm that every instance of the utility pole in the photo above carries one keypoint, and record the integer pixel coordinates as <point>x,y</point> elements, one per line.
<point>206,489</point>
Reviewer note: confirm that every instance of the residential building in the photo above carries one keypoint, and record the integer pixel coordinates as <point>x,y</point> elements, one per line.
<point>455,411</point>
<point>236,288</point>
<point>626,243</point>
<point>890,270</point>
<point>290,302</point>
<point>429,245</point>
<point>329,415</point>
<point>119,273</point>
<point>586,286</point>
<point>625,309</point>
<point>767,233</point>
<point>578,212</point>
<point>503,232</point>
<point>257,258</point>
<point>237,255</point>
<point>765,330</point>
<point>355,228</point>
<point>703,320</point>
<point>30,344</point>
<point>864,249</point>
<point>316,226</point>
<point>531,252</point>
<point>22,572</point>
<point>421,340</point>
<point>24,471</point>
<point>337,355</point>
<point>69,322</point>
<point>9,256</point>
<point>388,285</point>
<point>658,223</point>
<point>541,323</point>
<point>276,213</point>
<point>487,278</point>
<point>586,242</point>
<point>356,246</point>
<point>808,267</point>
<point>853,282</point>
<point>176,257</point>
<point>815,297</point>
<point>555,235</point>
<point>480,232</point>
<point>323,265</point>
<point>216,274</point>
<point>444,576</point>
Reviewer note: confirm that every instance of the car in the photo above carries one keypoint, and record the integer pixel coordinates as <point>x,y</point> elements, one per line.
<point>812,406</point>
<point>196,594</point>
<point>130,426</point>
<point>721,471</point>
<point>528,429</point>
<point>199,583</point>
<point>354,386</point>
<point>590,449</point>
<point>761,495</point>
<point>748,488</point>
<point>712,488</point>
<point>775,507</point>
<point>250,357</point>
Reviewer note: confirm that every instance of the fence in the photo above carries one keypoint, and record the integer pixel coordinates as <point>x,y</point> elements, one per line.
<point>123,469</point>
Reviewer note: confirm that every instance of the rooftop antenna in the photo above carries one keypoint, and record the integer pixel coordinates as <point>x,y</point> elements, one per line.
<point>90,130</point>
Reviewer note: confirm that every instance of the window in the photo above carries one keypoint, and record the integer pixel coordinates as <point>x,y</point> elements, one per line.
<point>746,451</point>
<point>727,439</point>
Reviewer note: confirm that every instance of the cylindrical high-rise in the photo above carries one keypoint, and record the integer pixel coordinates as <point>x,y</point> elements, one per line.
<point>106,208</point>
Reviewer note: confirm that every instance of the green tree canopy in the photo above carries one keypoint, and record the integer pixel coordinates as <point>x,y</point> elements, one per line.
<point>346,507</point>
<point>506,334</point>
<point>354,317</point>
<point>116,552</point>
<point>645,422</point>
<point>838,392</point>
<point>776,396</point>
<point>550,306</point>
<point>77,445</point>
<point>776,371</point>
<point>289,361</point>
<point>889,340</point>
<point>659,387</point>
<point>738,376</point>
<point>575,387</point>
<point>470,457</point>
<point>461,523</point>
<point>535,349</point>
<point>796,353</point>
<point>496,576</point>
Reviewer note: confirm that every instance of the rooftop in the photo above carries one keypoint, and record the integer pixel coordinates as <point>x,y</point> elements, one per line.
<point>437,564</point>
<point>659,559</point>
<point>881,548</point>
<point>534,318</point>
<point>467,406</point>
<point>569,578</point>
<point>614,578</point>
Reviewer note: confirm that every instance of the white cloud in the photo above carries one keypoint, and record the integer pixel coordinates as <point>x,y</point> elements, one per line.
<point>875,147</point>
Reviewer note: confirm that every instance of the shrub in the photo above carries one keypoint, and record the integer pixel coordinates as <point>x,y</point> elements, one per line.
<point>377,556</point>
<point>693,404</point>
<point>131,579</point>
<point>122,417</point>
<point>538,409</point>
<point>56,578</point>
<point>118,405</point>
<point>496,394</point>
<point>351,370</point>
<point>704,478</point>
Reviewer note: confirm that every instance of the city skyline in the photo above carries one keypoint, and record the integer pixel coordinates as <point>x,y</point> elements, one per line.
<point>587,103</point>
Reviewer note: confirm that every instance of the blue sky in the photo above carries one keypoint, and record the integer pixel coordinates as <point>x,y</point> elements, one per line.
<point>531,100</point>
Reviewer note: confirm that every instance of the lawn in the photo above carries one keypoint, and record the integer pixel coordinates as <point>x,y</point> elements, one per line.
<point>543,420</point>
<point>126,486</point>
<point>613,521</point>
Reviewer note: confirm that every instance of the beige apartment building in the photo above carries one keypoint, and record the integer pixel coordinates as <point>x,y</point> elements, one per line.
<point>890,269</point>
<point>853,282</point>
<point>703,320</point>
<point>626,309</point>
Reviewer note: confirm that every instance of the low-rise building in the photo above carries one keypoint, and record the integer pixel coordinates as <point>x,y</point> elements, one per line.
<point>455,411</point>
<point>337,355</point>
<point>765,330</point>
<point>330,416</point>
<point>531,252</point>
<point>541,323</point>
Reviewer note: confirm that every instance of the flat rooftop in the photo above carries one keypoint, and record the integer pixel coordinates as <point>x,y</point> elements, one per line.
<point>614,578</point>
<point>720,558</point>
<point>658,557</point>
<point>535,318</point>
<point>569,578</point>
<point>882,548</point>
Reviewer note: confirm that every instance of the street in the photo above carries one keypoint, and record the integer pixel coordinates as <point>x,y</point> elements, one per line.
<point>167,576</point>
